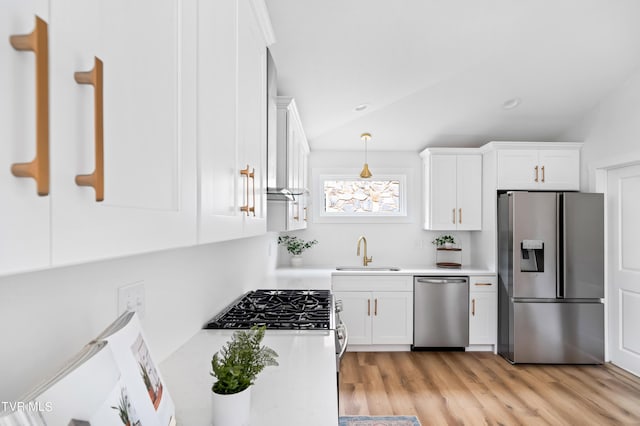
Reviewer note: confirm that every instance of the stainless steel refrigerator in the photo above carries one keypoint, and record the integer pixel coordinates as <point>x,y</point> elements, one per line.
<point>551,277</point>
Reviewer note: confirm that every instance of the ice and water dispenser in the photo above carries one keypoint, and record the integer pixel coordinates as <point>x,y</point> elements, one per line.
<point>532,256</point>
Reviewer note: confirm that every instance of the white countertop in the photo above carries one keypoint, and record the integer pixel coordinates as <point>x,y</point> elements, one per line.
<point>302,390</point>
<point>306,273</point>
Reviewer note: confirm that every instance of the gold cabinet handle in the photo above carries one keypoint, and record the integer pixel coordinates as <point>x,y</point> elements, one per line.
<point>38,169</point>
<point>297,215</point>
<point>249,175</point>
<point>453,218</point>
<point>536,179</point>
<point>542,173</point>
<point>95,79</point>
<point>375,307</point>
<point>305,214</point>
<point>460,215</point>
<point>473,307</point>
<point>368,307</point>
<point>252,176</point>
<point>482,284</point>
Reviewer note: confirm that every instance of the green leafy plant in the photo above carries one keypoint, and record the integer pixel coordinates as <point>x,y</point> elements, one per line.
<point>122,408</point>
<point>441,240</point>
<point>145,376</point>
<point>238,363</point>
<point>295,245</point>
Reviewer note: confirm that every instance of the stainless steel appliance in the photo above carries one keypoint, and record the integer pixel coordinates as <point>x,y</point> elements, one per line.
<point>551,277</point>
<point>440,312</point>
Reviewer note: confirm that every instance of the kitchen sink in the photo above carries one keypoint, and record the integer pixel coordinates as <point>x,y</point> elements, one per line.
<point>367,268</point>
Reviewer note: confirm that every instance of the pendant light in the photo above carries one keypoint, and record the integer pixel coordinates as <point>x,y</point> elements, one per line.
<point>365,173</point>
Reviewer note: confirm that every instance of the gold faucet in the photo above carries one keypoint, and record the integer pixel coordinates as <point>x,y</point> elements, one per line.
<point>365,260</point>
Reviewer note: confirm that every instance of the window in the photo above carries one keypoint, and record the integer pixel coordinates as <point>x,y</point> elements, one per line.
<point>360,196</point>
<point>346,196</point>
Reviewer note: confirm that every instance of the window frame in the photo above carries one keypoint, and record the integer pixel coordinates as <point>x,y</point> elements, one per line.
<point>322,175</point>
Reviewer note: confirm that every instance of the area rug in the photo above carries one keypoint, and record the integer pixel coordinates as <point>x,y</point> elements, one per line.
<point>379,421</point>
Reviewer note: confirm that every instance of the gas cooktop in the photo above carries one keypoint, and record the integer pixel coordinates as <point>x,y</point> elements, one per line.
<point>277,309</point>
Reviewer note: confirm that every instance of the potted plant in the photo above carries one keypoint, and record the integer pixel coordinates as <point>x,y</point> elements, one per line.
<point>236,367</point>
<point>122,409</point>
<point>446,241</point>
<point>147,381</point>
<point>295,246</point>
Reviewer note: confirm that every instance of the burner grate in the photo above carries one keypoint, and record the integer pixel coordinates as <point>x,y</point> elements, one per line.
<point>277,309</point>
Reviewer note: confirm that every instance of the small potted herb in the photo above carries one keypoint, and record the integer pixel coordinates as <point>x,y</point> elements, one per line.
<point>446,241</point>
<point>236,367</point>
<point>295,246</point>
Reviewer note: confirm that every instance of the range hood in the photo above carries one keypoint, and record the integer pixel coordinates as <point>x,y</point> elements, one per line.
<point>285,194</point>
<point>277,179</point>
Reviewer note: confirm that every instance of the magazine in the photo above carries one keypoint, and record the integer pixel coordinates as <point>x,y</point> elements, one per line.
<point>113,380</point>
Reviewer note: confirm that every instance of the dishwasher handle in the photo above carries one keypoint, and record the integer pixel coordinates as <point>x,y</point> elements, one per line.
<point>441,280</point>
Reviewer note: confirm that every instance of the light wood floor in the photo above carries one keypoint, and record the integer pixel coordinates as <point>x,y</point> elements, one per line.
<point>475,388</point>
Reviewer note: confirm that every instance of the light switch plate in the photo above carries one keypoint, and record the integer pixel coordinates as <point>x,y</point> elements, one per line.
<point>131,297</point>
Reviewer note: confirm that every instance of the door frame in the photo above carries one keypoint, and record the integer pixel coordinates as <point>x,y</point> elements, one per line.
<point>598,182</point>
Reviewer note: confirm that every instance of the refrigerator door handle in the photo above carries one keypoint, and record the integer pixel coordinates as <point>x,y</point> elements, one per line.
<point>560,247</point>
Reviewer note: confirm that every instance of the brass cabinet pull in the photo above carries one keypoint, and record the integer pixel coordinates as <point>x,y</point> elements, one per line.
<point>368,307</point>
<point>249,175</point>
<point>252,176</point>
<point>473,307</point>
<point>536,179</point>
<point>38,169</point>
<point>297,215</point>
<point>482,284</point>
<point>453,212</point>
<point>375,307</point>
<point>542,173</point>
<point>95,79</point>
<point>460,215</point>
<point>305,214</point>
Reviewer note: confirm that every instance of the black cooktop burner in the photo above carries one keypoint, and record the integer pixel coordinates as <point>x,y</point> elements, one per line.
<point>277,309</point>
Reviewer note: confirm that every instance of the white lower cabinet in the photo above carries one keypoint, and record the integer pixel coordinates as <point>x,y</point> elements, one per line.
<point>377,310</point>
<point>483,312</point>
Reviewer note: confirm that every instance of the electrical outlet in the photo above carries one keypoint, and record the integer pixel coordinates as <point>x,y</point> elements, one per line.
<point>131,298</point>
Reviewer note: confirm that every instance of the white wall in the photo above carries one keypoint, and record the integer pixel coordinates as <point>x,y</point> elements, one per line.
<point>47,316</point>
<point>611,132</point>
<point>390,244</point>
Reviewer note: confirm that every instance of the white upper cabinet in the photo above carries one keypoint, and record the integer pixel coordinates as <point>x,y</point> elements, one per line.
<point>231,111</point>
<point>292,170</point>
<point>553,166</point>
<point>24,228</point>
<point>138,120</point>
<point>453,189</point>
<point>148,161</point>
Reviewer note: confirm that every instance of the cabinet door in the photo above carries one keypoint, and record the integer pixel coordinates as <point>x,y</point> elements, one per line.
<point>149,166</point>
<point>559,169</point>
<point>442,188</point>
<point>469,192</point>
<point>218,174</point>
<point>517,169</point>
<point>252,115</point>
<point>392,318</point>
<point>483,321</point>
<point>24,228</point>
<point>356,314</point>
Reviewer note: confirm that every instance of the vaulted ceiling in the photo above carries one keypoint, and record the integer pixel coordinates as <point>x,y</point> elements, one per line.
<point>438,72</point>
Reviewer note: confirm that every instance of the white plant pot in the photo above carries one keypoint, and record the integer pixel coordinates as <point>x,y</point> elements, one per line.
<point>231,410</point>
<point>296,260</point>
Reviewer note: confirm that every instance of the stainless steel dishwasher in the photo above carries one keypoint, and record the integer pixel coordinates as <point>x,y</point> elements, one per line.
<point>440,313</point>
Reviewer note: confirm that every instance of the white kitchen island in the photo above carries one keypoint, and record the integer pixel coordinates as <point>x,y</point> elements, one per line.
<point>302,390</point>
